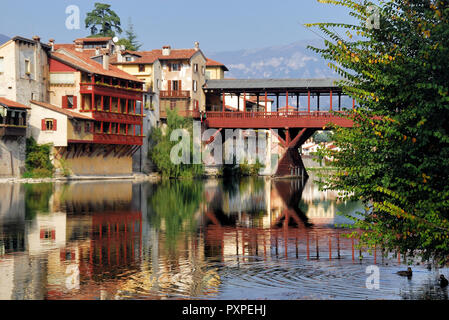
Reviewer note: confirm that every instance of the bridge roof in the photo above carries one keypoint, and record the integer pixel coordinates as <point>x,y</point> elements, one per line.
<point>324,85</point>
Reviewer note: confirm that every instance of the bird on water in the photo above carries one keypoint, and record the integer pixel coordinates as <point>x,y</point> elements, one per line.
<point>408,273</point>
<point>443,282</point>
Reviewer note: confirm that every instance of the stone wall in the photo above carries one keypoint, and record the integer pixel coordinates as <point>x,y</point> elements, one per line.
<point>12,156</point>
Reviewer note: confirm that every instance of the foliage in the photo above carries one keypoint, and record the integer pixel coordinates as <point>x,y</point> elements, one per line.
<point>130,41</point>
<point>395,159</point>
<point>160,152</point>
<point>322,136</point>
<point>103,21</point>
<point>246,169</point>
<point>65,167</point>
<point>37,162</point>
<point>174,205</point>
<point>37,197</point>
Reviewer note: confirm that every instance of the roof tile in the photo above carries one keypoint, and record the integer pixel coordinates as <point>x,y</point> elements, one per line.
<point>66,112</point>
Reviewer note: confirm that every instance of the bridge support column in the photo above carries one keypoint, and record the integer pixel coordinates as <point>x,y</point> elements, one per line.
<point>291,161</point>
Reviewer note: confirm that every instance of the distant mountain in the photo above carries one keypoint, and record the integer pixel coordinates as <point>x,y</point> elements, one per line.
<point>3,39</point>
<point>288,61</point>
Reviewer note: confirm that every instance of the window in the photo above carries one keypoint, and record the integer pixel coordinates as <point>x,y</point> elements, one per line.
<point>27,67</point>
<point>88,127</point>
<point>195,85</point>
<point>49,125</point>
<point>203,70</point>
<point>175,67</point>
<point>175,86</point>
<point>208,75</point>
<point>129,59</point>
<point>77,127</point>
<point>195,67</point>
<point>2,65</point>
<point>172,104</point>
<point>141,68</point>
<point>69,102</point>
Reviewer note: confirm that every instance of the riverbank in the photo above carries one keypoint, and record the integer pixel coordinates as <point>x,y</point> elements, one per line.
<point>138,177</point>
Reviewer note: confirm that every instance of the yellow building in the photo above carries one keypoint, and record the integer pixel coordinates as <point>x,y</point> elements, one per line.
<point>174,76</point>
<point>215,70</point>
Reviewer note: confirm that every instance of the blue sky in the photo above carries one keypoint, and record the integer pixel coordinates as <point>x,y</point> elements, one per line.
<point>217,25</point>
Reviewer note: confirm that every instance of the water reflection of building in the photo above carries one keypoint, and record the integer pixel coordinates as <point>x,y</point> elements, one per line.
<point>114,240</point>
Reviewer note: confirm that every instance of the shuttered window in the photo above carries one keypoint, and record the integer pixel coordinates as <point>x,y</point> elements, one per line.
<point>49,125</point>
<point>69,102</point>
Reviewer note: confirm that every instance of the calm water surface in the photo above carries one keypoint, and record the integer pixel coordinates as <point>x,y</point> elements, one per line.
<point>215,239</point>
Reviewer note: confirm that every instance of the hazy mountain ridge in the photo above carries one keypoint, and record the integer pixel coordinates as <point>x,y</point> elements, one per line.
<point>3,38</point>
<point>288,61</point>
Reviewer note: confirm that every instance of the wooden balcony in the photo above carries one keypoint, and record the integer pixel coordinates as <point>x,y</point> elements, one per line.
<point>175,94</point>
<point>119,139</point>
<point>111,91</point>
<point>184,113</point>
<point>12,131</point>
<point>117,117</point>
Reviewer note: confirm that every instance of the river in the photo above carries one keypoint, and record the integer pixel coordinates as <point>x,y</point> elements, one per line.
<point>254,238</point>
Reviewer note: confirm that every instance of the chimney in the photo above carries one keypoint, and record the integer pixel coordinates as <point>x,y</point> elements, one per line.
<point>119,56</point>
<point>97,51</point>
<point>37,39</point>
<point>51,43</point>
<point>197,45</point>
<point>106,59</point>
<point>79,45</point>
<point>166,50</point>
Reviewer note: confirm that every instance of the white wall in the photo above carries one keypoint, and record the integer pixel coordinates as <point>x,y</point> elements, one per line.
<point>59,137</point>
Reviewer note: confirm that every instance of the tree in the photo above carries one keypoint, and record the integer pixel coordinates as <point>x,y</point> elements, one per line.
<point>395,158</point>
<point>163,146</point>
<point>130,41</point>
<point>103,21</point>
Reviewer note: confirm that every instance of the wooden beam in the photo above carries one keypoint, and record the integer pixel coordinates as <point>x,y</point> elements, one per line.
<point>293,143</point>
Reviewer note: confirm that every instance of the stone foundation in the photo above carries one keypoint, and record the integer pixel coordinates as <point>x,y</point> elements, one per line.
<point>12,156</point>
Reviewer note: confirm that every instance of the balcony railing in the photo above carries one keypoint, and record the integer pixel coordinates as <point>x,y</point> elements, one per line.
<point>106,138</point>
<point>175,94</point>
<point>106,90</point>
<point>10,130</point>
<point>184,113</point>
<point>106,116</point>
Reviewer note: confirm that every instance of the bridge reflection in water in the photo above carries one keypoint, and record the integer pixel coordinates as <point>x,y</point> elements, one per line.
<point>207,239</point>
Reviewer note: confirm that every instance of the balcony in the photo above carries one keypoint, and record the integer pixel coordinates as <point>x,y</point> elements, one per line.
<point>111,91</point>
<point>12,131</point>
<point>183,113</point>
<point>120,139</point>
<point>175,94</point>
<point>117,117</point>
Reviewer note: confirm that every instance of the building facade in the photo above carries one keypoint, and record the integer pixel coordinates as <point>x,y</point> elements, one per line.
<point>94,115</point>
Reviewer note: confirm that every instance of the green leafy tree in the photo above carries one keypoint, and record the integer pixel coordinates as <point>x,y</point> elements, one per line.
<point>37,160</point>
<point>160,152</point>
<point>130,41</point>
<point>395,158</point>
<point>103,21</point>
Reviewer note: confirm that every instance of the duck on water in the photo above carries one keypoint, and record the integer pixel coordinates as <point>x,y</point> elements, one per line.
<point>408,273</point>
<point>443,282</point>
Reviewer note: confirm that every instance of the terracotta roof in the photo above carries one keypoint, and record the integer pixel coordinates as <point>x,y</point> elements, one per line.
<point>213,63</point>
<point>82,61</point>
<point>13,104</point>
<point>149,57</point>
<point>66,112</point>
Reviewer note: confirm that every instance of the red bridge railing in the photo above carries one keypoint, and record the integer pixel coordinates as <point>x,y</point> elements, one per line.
<point>291,119</point>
